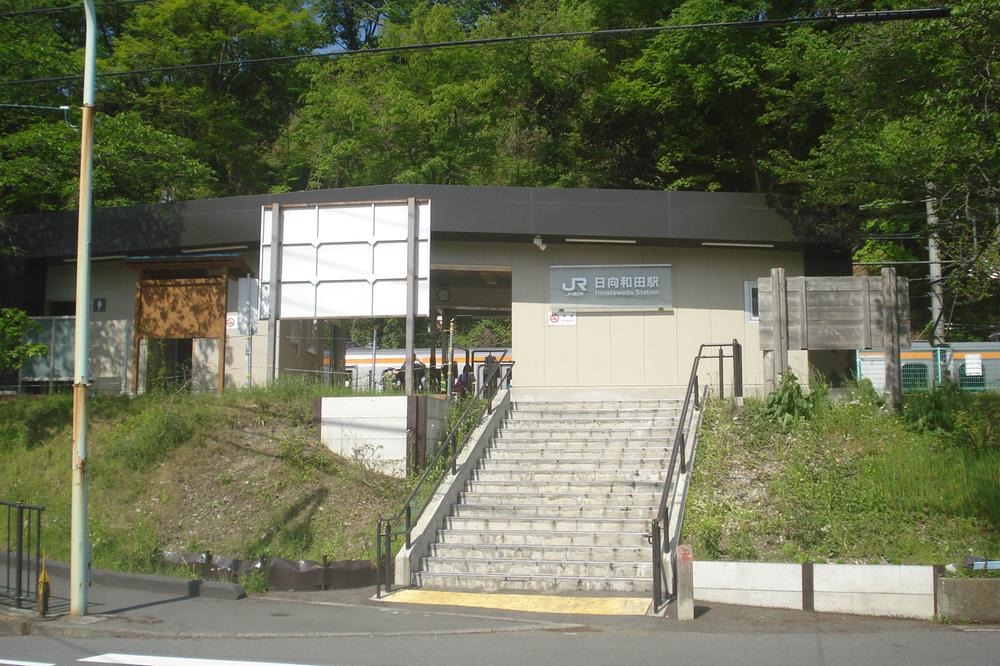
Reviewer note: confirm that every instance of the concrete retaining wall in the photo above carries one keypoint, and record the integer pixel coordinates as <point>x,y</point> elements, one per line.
<point>893,590</point>
<point>887,590</point>
<point>368,427</point>
<point>769,585</point>
<point>969,599</point>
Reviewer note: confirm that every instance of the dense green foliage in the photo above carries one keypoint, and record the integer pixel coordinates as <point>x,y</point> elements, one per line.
<point>847,482</point>
<point>851,128</point>
<point>14,348</point>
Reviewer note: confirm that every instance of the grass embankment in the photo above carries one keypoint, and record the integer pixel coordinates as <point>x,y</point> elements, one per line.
<point>848,482</point>
<point>240,474</point>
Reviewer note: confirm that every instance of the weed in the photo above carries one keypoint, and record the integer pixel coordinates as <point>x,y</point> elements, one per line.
<point>255,583</point>
<point>145,438</point>
<point>851,483</point>
<point>26,422</point>
<point>935,410</point>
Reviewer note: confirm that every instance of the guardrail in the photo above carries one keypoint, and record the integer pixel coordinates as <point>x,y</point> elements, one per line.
<point>450,447</point>
<point>23,534</point>
<point>659,535</point>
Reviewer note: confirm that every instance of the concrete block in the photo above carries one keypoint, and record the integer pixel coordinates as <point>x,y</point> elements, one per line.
<point>874,578</point>
<point>371,427</point>
<point>969,599</point>
<point>685,583</point>
<point>764,584</point>
<point>887,590</point>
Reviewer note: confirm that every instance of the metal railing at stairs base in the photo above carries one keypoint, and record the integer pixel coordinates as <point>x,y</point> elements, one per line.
<point>659,534</point>
<point>23,532</point>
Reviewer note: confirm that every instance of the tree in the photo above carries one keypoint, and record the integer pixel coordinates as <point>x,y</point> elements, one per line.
<point>133,163</point>
<point>913,114</point>
<point>14,347</point>
<point>232,113</point>
<point>505,116</point>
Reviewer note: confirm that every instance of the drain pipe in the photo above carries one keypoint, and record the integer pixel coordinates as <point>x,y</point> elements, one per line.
<point>80,542</point>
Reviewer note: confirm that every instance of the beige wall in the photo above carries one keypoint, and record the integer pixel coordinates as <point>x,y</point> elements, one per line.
<point>110,331</point>
<point>641,348</point>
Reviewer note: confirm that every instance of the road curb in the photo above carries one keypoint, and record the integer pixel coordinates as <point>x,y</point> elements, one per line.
<point>181,587</point>
<point>12,626</point>
<point>60,630</point>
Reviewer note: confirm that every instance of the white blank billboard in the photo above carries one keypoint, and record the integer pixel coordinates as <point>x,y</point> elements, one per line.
<point>346,260</point>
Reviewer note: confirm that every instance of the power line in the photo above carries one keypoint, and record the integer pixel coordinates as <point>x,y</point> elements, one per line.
<point>823,17</point>
<point>69,8</point>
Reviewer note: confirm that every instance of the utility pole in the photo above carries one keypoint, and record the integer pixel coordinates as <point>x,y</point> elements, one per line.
<point>934,268</point>
<point>79,538</point>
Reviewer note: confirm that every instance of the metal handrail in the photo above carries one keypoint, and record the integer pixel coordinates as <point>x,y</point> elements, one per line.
<point>24,540</point>
<point>660,525</point>
<point>450,444</point>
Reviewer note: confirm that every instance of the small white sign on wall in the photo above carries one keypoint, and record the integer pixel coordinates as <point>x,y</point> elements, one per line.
<point>232,321</point>
<point>973,365</point>
<point>562,319</point>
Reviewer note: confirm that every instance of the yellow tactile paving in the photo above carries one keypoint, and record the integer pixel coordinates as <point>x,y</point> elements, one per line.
<point>530,603</point>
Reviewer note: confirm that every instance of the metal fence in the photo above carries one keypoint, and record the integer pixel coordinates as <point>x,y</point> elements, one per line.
<point>22,553</point>
<point>973,366</point>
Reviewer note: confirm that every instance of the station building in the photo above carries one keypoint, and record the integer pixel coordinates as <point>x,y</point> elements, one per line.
<point>604,288</point>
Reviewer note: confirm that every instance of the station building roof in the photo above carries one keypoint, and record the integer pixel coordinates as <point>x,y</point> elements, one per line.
<point>458,212</point>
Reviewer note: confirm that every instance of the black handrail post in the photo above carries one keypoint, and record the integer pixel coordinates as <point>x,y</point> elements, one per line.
<point>19,566</point>
<point>722,385</point>
<point>657,565</point>
<point>408,515</point>
<point>737,369</point>
<point>682,438</point>
<point>697,398</point>
<point>378,558</point>
<point>38,549</point>
<point>388,556</point>
<point>454,455</point>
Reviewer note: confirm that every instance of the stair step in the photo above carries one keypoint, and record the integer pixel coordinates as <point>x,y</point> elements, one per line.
<point>582,442</point>
<point>553,511</point>
<point>542,487</point>
<point>575,421</point>
<point>656,474</point>
<point>561,499</point>
<point>502,582</point>
<point>547,524</point>
<point>550,432</point>
<point>571,405</point>
<point>538,453</point>
<point>574,464</point>
<point>516,567</point>
<point>538,552</point>
<point>513,537</point>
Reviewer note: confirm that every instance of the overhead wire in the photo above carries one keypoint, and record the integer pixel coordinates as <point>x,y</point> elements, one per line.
<point>66,8</point>
<point>823,17</point>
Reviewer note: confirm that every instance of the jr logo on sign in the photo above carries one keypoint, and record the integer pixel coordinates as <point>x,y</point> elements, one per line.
<point>576,284</point>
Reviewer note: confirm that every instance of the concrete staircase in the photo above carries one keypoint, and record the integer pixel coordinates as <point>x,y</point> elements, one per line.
<point>561,500</point>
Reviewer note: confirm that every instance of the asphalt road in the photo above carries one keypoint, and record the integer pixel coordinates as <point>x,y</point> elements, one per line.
<point>885,642</point>
<point>348,627</point>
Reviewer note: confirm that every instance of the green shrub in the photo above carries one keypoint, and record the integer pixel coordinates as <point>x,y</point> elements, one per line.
<point>978,425</point>
<point>145,438</point>
<point>934,410</point>
<point>788,403</point>
<point>26,422</point>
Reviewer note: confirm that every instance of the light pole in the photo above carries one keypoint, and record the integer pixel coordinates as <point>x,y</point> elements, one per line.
<point>79,539</point>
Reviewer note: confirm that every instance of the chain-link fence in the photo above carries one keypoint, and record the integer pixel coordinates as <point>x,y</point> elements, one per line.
<point>973,366</point>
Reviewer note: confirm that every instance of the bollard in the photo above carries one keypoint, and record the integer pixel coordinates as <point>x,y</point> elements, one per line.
<point>43,591</point>
<point>685,583</point>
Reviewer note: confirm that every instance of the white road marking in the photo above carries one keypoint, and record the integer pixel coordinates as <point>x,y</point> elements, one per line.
<point>11,662</point>
<point>148,660</point>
